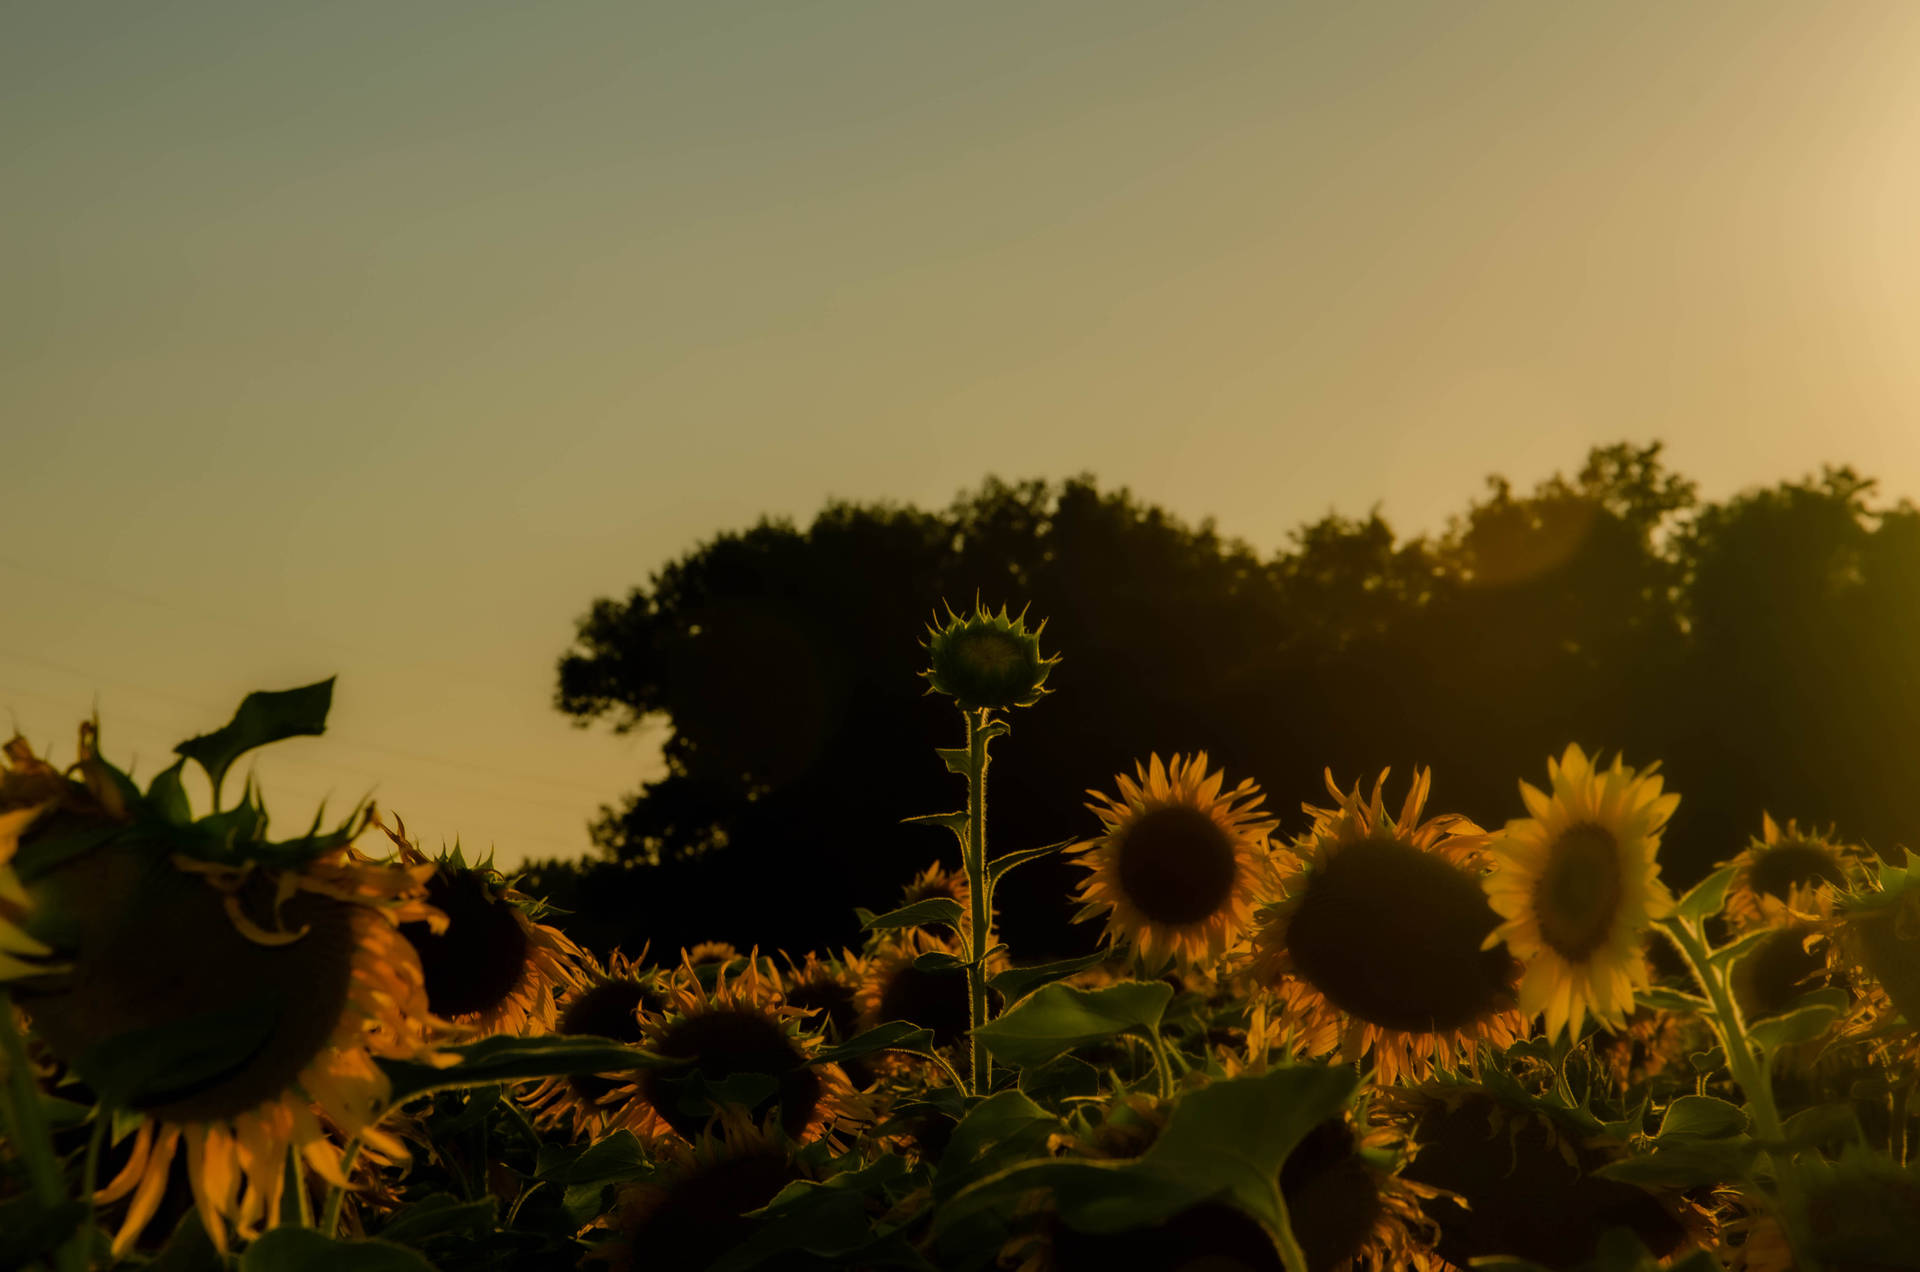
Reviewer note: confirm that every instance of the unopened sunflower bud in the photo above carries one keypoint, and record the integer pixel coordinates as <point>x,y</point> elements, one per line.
<point>987,660</point>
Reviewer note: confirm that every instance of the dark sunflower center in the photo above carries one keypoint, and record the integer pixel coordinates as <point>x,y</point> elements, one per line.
<point>990,654</point>
<point>1786,866</point>
<point>482,956</point>
<point>832,1000</point>
<point>932,1000</point>
<point>1579,892</point>
<point>1392,935</point>
<point>1523,1198</point>
<point>1332,1201</point>
<point>609,1009</point>
<point>1210,1237</point>
<point>724,1043</point>
<point>1176,865</point>
<point>161,972</point>
<point>1776,973</point>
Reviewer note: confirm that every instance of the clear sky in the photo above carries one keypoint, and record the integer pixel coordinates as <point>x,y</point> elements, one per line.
<point>380,338</point>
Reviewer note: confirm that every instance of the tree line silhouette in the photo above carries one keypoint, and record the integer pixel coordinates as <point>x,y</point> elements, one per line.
<point>1762,648</point>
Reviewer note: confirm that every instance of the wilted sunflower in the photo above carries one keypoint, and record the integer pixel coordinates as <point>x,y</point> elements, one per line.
<point>491,966</point>
<point>1378,947</point>
<point>1180,866</point>
<point>292,978</point>
<point>1577,885</point>
<point>739,1047</point>
<point>612,1001</point>
<point>1778,868</point>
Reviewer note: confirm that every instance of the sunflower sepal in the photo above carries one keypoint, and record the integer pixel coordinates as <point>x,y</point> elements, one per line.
<point>987,660</point>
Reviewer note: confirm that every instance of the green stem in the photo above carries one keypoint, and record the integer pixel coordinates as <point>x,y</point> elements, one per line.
<point>981,927</point>
<point>1750,1072</point>
<point>27,1127</point>
<point>1162,1068</point>
<point>295,1207</point>
<point>336,1195</point>
<point>79,1250</point>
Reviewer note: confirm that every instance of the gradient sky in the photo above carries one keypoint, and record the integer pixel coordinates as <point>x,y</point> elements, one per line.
<point>380,338</point>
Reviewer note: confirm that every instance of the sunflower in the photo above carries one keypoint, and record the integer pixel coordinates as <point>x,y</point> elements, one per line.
<point>895,988</point>
<point>611,1001</point>
<point>739,1048</point>
<point>1875,934</point>
<point>694,1208</point>
<point>1577,884</point>
<point>283,962</point>
<point>830,990</point>
<point>1377,948</point>
<point>1180,866</point>
<point>1776,870</point>
<point>1505,1176</point>
<point>492,966</point>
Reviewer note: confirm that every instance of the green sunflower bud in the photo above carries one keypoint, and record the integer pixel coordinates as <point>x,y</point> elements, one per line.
<point>987,659</point>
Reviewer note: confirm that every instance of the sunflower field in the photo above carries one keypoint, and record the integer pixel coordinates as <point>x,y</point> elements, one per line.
<point>1372,1036</point>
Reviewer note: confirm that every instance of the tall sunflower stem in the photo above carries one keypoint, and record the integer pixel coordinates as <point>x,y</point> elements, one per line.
<point>980,927</point>
<point>1750,1072</point>
<point>336,1195</point>
<point>27,1128</point>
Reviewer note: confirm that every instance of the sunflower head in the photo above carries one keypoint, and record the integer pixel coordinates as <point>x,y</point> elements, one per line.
<point>987,660</point>
<point>1179,865</point>
<point>740,1051</point>
<point>896,988</point>
<point>1778,871</point>
<point>490,965</point>
<point>1576,885</point>
<point>936,882</point>
<point>611,1001</point>
<point>694,1207</point>
<point>1378,945</point>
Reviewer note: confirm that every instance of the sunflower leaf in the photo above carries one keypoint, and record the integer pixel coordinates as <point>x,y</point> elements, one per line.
<point>1741,946</point>
<point>1056,1018</point>
<point>1661,998</point>
<point>1002,864</point>
<point>1016,982</point>
<point>1825,1126</point>
<point>939,961</point>
<point>1806,1020</point>
<point>958,759</point>
<point>262,718</point>
<point>894,1035</point>
<point>436,1215</point>
<point>955,822</point>
<point>30,1228</point>
<point>1687,1164</point>
<point>507,1059</point>
<point>1701,1117</point>
<point>167,796</point>
<point>1706,896</point>
<point>999,1130</point>
<point>290,1249</point>
<point>920,914</point>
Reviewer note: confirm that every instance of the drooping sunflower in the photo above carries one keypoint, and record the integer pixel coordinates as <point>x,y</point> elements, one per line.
<point>281,963</point>
<point>1377,948</point>
<point>1776,870</point>
<point>1179,866</point>
<point>611,1001</point>
<point>492,966</point>
<point>695,1207</point>
<point>1577,884</point>
<point>739,1035</point>
<point>1875,945</point>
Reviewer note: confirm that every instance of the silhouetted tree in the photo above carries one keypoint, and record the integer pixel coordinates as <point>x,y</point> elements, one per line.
<point>1760,647</point>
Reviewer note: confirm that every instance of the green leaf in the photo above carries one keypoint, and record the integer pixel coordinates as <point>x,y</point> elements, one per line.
<point>304,1250</point>
<point>1001,1129</point>
<point>1828,1126</point>
<point>1001,864</point>
<point>1661,998</point>
<point>955,822</point>
<point>508,1059</point>
<point>830,1219</point>
<point>1687,1164</point>
<point>920,914</point>
<point>1702,1117</point>
<point>1706,897</point>
<point>1809,1017</point>
<point>586,1176</point>
<point>1016,982</point>
<point>261,719</point>
<point>894,1035</point>
<point>1741,946</point>
<point>188,1250</point>
<point>1056,1018</point>
<point>436,1215</point>
<point>167,795</point>
<point>938,961</point>
<point>1226,1141</point>
<point>145,1067</point>
<point>30,1228</point>
<point>958,759</point>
